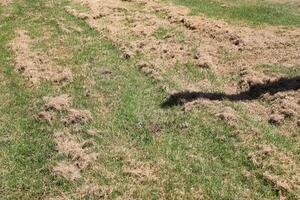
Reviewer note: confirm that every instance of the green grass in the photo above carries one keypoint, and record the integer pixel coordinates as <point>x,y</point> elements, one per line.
<point>164,32</point>
<point>274,69</point>
<point>193,153</point>
<point>252,12</point>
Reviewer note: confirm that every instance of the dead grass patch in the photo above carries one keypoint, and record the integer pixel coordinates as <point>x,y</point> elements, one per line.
<point>279,168</point>
<point>5,2</point>
<point>67,170</point>
<point>58,103</point>
<point>45,116</point>
<point>37,66</point>
<point>68,144</point>
<point>81,157</point>
<point>77,116</point>
<point>248,46</point>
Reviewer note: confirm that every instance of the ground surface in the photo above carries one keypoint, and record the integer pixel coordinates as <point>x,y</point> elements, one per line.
<point>140,99</point>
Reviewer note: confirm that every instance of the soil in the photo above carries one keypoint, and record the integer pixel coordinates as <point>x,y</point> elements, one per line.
<point>92,132</point>
<point>68,28</point>
<point>276,119</point>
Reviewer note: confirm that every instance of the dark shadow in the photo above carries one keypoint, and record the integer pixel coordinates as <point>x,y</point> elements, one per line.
<point>281,85</point>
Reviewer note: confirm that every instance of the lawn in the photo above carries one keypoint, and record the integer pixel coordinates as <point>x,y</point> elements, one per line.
<point>145,151</point>
<point>252,12</point>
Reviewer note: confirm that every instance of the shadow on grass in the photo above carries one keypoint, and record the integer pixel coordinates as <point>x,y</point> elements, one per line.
<point>281,85</point>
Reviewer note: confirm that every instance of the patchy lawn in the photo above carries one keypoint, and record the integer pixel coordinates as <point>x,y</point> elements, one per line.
<point>116,99</point>
<point>255,12</point>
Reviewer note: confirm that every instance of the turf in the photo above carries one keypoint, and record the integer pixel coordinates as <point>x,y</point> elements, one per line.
<point>251,12</point>
<point>193,154</point>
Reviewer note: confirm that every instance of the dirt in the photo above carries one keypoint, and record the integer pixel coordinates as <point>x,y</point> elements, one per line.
<point>78,116</point>
<point>261,45</point>
<point>36,66</point>
<point>80,152</point>
<point>155,128</point>
<point>92,132</point>
<point>58,103</point>
<point>204,62</point>
<point>256,109</point>
<point>137,171</point>
<point>279,169</point>
<point>52,105</point>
